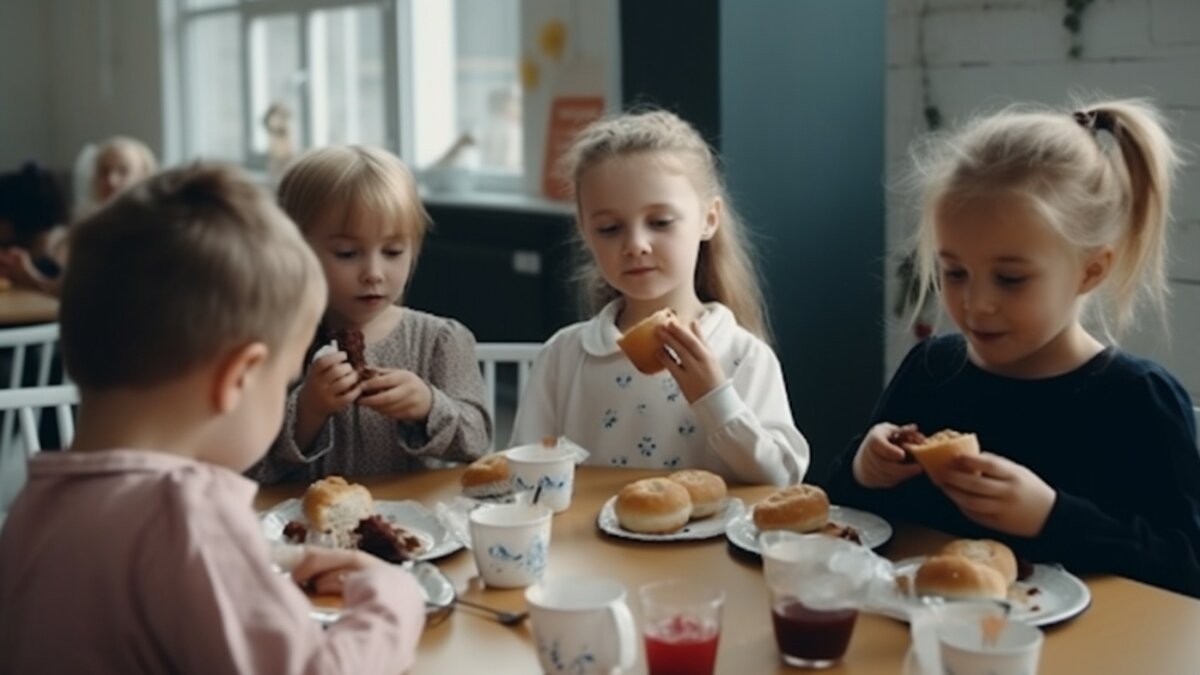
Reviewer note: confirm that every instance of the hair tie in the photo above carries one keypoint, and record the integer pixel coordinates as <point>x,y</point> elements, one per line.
<point>1096,120</point>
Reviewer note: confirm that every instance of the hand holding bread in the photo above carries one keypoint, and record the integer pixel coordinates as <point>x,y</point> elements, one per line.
<point>999,493</point>
<point>697,371</point>
<point>694,367</point>
<point>880,462</point>
<point>330,385</point>
<point>399,394</point>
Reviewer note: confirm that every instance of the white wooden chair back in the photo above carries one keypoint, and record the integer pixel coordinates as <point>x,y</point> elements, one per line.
<point>24,403</point>
<point>22,342</point>
<point>493,354</point>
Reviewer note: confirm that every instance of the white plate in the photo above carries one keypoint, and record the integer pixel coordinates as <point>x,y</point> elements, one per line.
<point>436,540</point>
<point>437,589</point>
<point>705,528</point>
<point>1050,595</point>
<point>872,530</point>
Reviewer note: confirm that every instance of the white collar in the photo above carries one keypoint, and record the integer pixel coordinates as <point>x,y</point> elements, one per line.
<point>600,333</point>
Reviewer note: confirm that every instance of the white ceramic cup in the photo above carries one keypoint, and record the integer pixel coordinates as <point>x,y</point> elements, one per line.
<point>553,469</point>
<point>511,543</point>
<point>582,626</point>
<point>1015,651</point>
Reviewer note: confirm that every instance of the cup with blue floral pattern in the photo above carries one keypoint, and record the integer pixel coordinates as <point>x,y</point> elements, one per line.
<point>582,626</point>
<point>511,543</point>
<point>550,468</point>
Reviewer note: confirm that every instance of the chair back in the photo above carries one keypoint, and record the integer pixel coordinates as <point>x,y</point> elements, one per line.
<point>25,402</point>
<point>499,395</point>
<point>22,403</point>
<point>25,344</point>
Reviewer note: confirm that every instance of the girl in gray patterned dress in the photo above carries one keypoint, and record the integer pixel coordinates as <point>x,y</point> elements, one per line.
<point>414,397</point>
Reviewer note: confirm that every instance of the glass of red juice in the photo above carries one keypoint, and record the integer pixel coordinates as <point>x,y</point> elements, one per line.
<point>681,623</point>
<point>814,580</point>
<point>811,638</point>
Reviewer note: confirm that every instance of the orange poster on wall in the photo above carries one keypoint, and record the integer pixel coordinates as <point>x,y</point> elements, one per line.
<point>568,115</point>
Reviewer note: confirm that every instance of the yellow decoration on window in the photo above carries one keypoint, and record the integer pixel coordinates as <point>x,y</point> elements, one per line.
<point>531,74</point>
<point>552,39</point>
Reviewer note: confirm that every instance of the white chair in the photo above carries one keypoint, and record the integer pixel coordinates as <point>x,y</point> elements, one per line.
<point>493,354</point>
<point>22,403</point>
<point>20,340</point>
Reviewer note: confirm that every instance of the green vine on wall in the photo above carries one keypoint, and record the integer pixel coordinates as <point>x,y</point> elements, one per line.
<point>1073,22</point>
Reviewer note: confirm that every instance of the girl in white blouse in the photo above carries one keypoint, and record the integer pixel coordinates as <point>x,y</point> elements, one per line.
<point>660,232</point>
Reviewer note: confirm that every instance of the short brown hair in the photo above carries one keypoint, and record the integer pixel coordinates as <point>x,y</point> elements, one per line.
<point>177,269</point>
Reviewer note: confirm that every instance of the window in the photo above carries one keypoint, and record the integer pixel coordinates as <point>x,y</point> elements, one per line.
<point>419,77</point>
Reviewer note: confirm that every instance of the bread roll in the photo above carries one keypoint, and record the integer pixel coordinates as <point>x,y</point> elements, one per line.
<point>487,477</point>
<point>958,578</point>
<point>706,489</point>
<point>800,508</point>
<point>986,552</point>
<point>335,506</point>
<point>653,506</point>
<point>642,344</point>
<point>940,449</point>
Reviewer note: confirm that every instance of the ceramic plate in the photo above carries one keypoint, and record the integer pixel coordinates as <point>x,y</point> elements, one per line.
<point>438,591</point>
<point>1050,595</point>
<point>436,540</point>
<point>705,528</point>
<point>872,530</point>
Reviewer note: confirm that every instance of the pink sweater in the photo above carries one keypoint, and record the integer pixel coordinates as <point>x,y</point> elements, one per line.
<point>141,562</point>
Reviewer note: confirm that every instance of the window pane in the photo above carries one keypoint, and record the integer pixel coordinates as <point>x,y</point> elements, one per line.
<point>214,88</point>
<point>275,75</point>
<point>347,76</point>
<point>489,96</point>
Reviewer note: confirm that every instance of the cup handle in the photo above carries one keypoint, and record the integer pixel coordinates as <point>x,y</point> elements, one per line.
<point>627,636</point>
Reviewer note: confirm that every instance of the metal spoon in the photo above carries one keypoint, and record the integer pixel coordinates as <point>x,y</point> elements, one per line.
<point>504,617</point>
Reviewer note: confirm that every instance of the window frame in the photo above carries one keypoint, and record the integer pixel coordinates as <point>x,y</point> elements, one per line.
<point>399,111</point>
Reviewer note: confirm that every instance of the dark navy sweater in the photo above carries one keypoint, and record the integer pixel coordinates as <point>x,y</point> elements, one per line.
<point>1115,438</point>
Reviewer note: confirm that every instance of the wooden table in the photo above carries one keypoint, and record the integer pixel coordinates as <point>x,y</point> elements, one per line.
<point>20,306</point>
<point>1130,627</point>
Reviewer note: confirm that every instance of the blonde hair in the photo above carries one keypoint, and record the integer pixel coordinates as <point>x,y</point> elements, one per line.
<point>176,270</point>
<point>1100,176</point>
<point>146,163</point>
<point>350,182</point>
<point>724,269</point>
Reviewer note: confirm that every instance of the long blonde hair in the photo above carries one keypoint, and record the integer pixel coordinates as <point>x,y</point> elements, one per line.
<point>724,268</point>
<point>1100,176</point>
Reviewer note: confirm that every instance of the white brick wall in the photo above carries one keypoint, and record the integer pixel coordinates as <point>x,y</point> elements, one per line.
<point>983,54</point>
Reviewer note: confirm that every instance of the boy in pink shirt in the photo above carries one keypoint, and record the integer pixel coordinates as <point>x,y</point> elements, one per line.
<point>186,310</point>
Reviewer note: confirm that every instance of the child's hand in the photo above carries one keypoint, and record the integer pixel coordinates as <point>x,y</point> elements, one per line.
<point>399,394</point>
<point>999,493</point>
<point>331,385</point>
<point>17,266</point>
<point>323,570</point>
<point>697,371</point>
<point>879,463</point>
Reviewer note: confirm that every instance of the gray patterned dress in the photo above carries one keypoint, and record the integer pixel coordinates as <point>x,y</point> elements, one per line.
<point>358,441</point>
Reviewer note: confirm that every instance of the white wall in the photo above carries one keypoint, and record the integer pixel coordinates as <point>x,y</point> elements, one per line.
<point>985,53</point>
<point>24,97</point>
<point>77,71</point>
